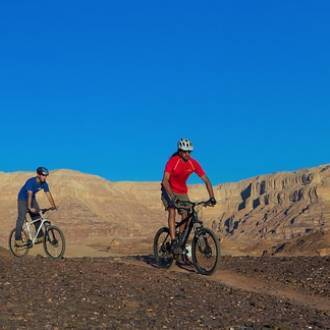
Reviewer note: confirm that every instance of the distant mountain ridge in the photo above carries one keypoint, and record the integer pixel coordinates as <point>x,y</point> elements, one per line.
<point>279,213</point>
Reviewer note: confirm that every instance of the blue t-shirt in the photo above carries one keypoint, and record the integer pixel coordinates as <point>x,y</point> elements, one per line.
<point>32,185</point>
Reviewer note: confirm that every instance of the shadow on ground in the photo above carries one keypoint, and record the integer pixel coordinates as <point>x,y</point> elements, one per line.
<point>151,261</point>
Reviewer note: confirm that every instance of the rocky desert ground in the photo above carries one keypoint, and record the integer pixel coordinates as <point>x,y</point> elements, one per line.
<point>130,293</point>
<point>274,272</point>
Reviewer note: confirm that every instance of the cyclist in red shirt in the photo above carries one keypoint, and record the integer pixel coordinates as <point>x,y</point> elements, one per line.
<point>174,187</point>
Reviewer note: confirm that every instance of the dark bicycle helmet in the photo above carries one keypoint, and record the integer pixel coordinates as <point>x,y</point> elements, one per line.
<point>42,171</point>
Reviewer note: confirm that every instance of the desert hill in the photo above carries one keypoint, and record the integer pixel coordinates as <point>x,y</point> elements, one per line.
<point>286,213</point>
<point>96,215</point>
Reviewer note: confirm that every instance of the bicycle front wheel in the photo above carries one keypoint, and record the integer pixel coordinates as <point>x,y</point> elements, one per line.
<point>54,242</point>
<point>22,248</point>
<point>205,251</point>
<point>162,248</point>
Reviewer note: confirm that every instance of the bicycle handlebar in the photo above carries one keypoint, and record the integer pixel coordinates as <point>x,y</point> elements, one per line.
<point>186,205</point>
<point>46,210</point>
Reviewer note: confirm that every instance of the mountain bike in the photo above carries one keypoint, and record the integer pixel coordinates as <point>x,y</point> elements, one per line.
<point>53,238</point>
<point>205,247</point>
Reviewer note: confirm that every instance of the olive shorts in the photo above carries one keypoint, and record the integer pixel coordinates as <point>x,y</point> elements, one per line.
<point>167,200</point>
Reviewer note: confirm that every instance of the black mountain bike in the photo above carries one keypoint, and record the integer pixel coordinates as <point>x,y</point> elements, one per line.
<point>205,247</point>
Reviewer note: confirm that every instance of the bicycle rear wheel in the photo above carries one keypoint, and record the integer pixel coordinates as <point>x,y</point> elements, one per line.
<point>162,248</point>
<point>23,248</point>
<point>205,251</point>
<point>54,242</point>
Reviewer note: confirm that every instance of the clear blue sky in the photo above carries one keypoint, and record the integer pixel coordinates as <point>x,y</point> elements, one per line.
<point>108,87</point>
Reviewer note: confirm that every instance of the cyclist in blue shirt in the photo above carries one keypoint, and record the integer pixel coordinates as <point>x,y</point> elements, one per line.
<point>27,203</point>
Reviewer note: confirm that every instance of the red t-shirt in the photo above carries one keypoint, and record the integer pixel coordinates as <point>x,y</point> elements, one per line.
<point>180,171</point>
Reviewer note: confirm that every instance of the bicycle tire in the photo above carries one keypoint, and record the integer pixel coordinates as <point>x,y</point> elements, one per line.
<point>16,251</point>
<point>51,242</point>
<point>162,253</point>
<point>201,249</point>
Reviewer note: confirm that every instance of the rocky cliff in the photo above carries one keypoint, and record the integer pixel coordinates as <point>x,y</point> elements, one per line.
<point>269,213</point>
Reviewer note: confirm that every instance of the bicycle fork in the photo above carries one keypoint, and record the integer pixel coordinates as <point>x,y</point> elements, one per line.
<point>202,243</point>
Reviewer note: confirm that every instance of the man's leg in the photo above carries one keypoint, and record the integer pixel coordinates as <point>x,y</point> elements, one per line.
<point>183,213</point>
<point>171,222</point>
<point>37,224</point>
<point>183,259</point>
<point>21,210</point>
<point>175,240</point>
<point>171,212</point>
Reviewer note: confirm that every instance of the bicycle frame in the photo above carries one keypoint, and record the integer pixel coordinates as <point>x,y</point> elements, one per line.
<point>191,219</point>
<point>27,225</point>
<point>204,245</point>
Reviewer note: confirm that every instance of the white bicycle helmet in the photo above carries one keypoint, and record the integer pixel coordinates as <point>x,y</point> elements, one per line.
<point>185,145</point>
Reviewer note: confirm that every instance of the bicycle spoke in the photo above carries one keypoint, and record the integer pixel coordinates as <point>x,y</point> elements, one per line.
<point>162,251</point>
<point>206,252</point>
<point>54,242</point>
<point>22,249</point>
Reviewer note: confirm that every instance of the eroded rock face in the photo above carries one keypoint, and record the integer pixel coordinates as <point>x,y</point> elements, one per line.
<point>273,209</point>
<point>279,213</point>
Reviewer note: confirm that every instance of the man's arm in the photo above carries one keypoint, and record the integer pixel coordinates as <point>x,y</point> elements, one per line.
<point>166,184</point>
<point>201,173</point>
<point>51,199</point>
<point>29,202</point>
<point>209,188</point>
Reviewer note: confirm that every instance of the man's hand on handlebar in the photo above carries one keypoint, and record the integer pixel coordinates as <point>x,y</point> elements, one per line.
<point>33,210</point>
<point>212,201</point>
<point>53,208</point>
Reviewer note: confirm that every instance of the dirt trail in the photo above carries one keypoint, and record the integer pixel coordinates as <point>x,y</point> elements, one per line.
<point>275,289</point>
<point>251,283</point>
